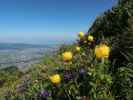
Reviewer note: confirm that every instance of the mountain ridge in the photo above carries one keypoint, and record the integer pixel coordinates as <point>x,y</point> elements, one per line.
<point>22,46</point>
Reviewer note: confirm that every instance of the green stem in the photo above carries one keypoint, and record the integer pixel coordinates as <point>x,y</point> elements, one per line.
<point>102,61</point>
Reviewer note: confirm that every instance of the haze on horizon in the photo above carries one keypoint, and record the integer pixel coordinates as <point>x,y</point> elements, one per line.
<point>47,21</point>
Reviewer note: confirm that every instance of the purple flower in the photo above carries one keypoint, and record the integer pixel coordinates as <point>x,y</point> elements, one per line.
<point>82,71</point>
<point>45,94</point>
<point>68,75</point>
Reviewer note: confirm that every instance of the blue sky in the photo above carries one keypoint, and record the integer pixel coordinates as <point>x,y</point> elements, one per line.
<point>47,21</point>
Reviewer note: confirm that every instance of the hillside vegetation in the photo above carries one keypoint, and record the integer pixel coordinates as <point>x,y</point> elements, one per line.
<point>98,67</point>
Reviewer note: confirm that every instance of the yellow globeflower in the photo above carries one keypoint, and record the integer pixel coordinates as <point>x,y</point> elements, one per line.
<point>81,35</point>
<point>67,56</point>
<point>90,38</point>
<point>78,48</point>
<point>55,79</point>
<point>102,51</point>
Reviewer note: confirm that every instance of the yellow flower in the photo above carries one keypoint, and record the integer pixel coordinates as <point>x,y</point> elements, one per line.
<point>90,38</point>
<point>102,51</point>
<point>67,56</point>
<point>35,81</point>
<point>55,79</point>
<point>78,48</point>
<point>81,35</point>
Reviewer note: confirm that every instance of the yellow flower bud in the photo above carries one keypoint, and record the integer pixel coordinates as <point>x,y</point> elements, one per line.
<point>55,79</point>
<point>78,48</point>
<point>67,56</point>
<point>102,51</point>
<point>81,35</point>
<point>35,81</point>
<point>90,38</point>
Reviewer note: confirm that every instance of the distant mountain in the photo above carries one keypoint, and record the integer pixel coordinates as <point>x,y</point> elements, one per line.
<point>4,46</point>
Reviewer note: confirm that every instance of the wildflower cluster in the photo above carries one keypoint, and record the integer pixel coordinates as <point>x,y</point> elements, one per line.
<point>78,80</point>
<point>82,74</point>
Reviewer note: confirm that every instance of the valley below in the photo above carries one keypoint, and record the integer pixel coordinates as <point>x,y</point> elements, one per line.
<point>22,55</point>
